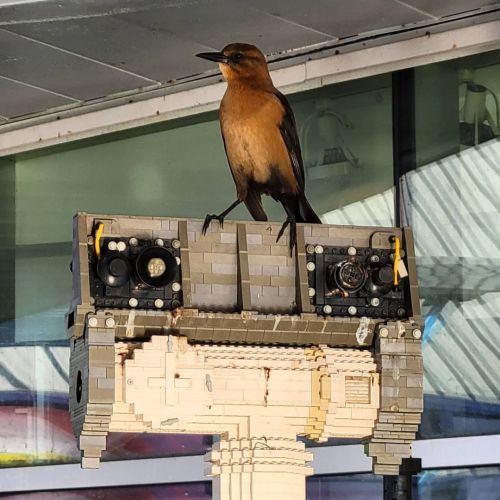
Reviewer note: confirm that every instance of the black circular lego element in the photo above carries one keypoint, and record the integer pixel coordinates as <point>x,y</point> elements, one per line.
<point>79,386</point>
<point>114,269</point>
<point>156,266</point>
<point>118,267</point>
<point>383,276</point>
<point>348,275</point>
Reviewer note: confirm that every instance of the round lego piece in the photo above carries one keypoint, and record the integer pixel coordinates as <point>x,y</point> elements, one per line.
<point>159,303</point>
<point>156,266</point>
<point>176,244</point>
<point>121,246</point>
<point>352,310</point>
<point>112,245</point>
<point>93,322</point>
<point>327,309</point>
<point>133,302</point>
<point>114,269</point>
<point>311,266</point>
<point>176,287</point>
<point>383,332</point>
<point>110,322</point>
<point>417,333</point>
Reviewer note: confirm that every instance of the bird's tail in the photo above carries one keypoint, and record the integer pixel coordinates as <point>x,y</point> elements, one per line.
<point>307,214</point>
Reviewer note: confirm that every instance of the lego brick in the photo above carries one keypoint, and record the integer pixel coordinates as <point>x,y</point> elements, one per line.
<point>244,295</point>
<point>301,280</point>
<point>185,264</point>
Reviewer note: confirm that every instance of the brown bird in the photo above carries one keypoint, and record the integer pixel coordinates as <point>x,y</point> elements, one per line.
<point>260,139</point>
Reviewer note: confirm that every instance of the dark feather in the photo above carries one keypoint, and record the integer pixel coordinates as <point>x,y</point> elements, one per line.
<point>253,202</point>
<point>288,130</point>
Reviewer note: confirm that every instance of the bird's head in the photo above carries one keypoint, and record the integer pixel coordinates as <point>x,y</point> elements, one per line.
<point>240,61</point>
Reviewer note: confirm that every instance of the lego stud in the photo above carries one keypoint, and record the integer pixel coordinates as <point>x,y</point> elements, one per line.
<point>318,249</point>
<point>311,266</point>
<point>112,246</point>
<point>417,333</point>
<point>351,251</point>
<point>312,292</point>
<point>383,332</point>
<point>352,310</point>
<point>159,303</point>
<point>374,259</point>
<point>310,249</point>
<point>121,246</point>
<point>176,286</point>
<point>176,244</point>
<point>375,302</point>
<point>159,242</point>
<point>133,242</point>
<point>110,322</point>
<point>133,302</point>
<point>327,309</point>
<point>90,240</point>
<point>178,261</point>
<point>93,321</point>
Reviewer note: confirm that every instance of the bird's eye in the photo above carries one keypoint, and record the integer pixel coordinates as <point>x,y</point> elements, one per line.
<point>237,57</point>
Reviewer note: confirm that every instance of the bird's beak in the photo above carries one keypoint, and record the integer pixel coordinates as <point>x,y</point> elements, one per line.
<point>218,57</point>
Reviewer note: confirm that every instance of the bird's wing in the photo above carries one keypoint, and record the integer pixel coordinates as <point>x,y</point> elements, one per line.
<point>288,131</point>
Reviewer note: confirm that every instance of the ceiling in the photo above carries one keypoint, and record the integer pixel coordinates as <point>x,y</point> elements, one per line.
<point>55,54</point>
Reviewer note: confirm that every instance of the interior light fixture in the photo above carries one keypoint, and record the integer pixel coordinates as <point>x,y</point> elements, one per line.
<point>325,152</point>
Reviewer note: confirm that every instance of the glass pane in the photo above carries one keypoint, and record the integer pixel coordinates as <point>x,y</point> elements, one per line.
<point>192,491</point>
<point>352,487</point>
<point>452,201</point>
<point>346,137</point>
<point>453,484</point>
<point>460,484</point>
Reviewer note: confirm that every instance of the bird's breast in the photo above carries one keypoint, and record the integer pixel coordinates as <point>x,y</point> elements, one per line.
<point>254,145</point>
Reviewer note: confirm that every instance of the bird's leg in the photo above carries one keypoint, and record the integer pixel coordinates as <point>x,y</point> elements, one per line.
<point>219,217</point>
<point>290,219</point>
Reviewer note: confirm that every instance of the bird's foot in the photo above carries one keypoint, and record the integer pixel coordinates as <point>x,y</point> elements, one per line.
<point>208,219</point>
<point>293,233</point>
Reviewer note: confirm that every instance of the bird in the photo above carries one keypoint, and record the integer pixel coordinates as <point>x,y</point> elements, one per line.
<point>260,139</point>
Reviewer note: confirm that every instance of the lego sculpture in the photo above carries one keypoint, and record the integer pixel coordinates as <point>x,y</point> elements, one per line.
<point>228,334</point>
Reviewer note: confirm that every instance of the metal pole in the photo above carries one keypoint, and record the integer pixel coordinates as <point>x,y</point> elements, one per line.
<point>400,487</point>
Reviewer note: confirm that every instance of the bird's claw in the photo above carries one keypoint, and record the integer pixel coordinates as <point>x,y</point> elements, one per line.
<point>293,233</point>
<point>208,219</point>
<point>282,230</point>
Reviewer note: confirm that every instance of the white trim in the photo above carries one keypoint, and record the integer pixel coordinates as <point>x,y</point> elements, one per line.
<point>348,459</point>
<point>306,75</point>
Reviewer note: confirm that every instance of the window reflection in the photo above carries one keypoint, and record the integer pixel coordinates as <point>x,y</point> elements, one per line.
<point>452,202</point>
<point>453,484</point>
